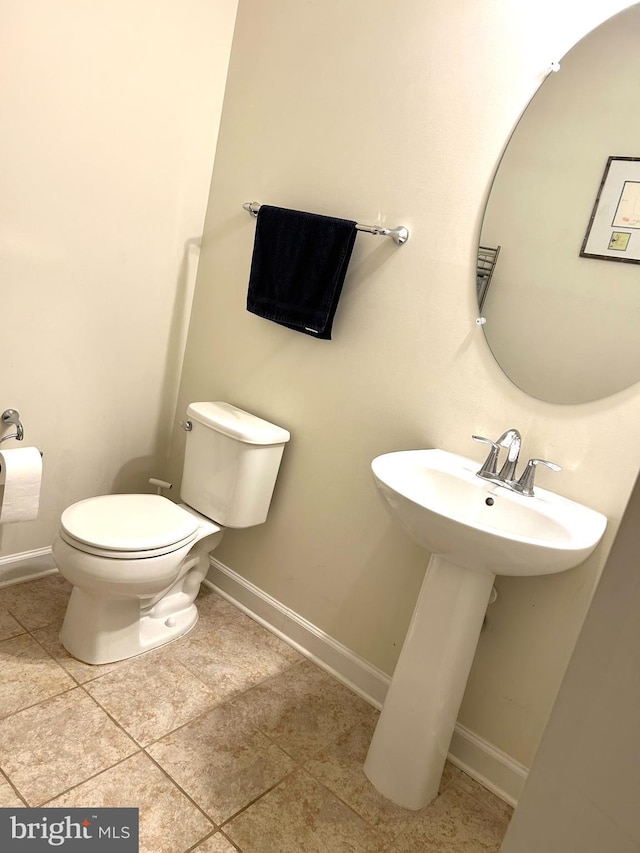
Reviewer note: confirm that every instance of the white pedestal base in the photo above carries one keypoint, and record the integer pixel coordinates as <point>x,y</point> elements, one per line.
<point>411,741</point>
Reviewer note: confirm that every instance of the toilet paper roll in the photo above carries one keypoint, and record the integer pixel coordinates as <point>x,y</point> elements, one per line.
<point>21,475</point>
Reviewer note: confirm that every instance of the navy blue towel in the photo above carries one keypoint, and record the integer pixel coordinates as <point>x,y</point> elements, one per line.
<point>298,268</point>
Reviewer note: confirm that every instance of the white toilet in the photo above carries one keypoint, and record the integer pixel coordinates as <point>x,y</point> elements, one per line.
<point>136,562</point>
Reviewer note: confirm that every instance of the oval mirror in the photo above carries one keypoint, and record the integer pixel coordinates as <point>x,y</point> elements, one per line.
<point>558,274</point>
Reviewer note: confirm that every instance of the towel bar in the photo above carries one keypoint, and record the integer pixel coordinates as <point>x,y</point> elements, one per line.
<point>399,235</point>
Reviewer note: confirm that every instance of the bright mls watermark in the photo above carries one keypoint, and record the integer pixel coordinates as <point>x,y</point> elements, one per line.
<point>70,830</point>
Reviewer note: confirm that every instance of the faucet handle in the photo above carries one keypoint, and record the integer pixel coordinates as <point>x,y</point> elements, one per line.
<point>525,483</point>
<point>484,440</point>
<point>489,468</point>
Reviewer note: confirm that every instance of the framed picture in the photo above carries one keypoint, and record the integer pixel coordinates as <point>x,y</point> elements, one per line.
<point>613,233</point>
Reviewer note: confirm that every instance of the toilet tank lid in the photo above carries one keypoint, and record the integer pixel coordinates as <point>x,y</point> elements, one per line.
<point>237,423</point>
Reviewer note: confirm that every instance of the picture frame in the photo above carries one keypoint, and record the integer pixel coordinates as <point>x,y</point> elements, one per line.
<point>613,233</point>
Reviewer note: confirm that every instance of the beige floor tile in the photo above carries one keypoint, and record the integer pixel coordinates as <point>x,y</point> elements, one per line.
<point>214,613</point>
<point>28,675</point>
<point>214,610</point>
<point>454,823</point>
<point>222,762</point>
<point>301,815</point>
<point>340,768</point>
<point>277,645</point>
<point>8,625</point>
<point>37,603</point>
<point>450,774</point>
<point>233,657</point>
<point>216,843</point>
<point>169,821</point>
<point>8,797</point>
<point>486,798</point>
<point>303,710</point>
<point>57,746</point>
<point>59,743</point>
<point>152,696</point>
<point>263,638</point>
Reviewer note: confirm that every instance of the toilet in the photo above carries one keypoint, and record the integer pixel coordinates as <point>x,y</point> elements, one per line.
<point>136,562</point>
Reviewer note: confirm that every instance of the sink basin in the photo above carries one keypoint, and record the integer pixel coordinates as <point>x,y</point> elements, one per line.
<point>474,530</point>
<point>437,498</point>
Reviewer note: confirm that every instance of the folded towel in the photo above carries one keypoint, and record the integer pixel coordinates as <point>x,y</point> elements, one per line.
<point>298,268</point>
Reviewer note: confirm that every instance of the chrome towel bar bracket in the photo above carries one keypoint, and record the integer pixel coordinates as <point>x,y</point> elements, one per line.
<point>399,235</point>
<point>11,416</point>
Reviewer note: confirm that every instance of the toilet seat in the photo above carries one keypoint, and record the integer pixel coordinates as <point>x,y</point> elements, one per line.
<point>124,527</point>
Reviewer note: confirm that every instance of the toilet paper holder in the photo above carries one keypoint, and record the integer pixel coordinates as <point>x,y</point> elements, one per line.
<point>11,416</point>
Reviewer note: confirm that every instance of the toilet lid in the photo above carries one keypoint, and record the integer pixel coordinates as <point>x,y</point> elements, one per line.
<point>128,522</point>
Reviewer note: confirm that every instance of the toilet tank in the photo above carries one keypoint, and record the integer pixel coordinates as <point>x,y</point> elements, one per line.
<point>231,463</point>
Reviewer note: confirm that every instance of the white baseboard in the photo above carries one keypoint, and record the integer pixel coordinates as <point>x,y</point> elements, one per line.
<point>487,764</point>
<point>26,566</point>
<point>479,759</point>
<point>362,677</point>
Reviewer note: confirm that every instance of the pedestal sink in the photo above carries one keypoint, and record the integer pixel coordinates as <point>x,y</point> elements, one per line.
<point>474,530</point>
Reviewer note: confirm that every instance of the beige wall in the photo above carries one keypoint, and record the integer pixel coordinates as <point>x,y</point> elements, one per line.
<point>539,210</point>
<point>361,110</point>
<point>583,791</point>
<point>109,116</point>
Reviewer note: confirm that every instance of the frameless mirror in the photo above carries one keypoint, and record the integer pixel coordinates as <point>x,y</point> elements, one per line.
<point>565,326</point>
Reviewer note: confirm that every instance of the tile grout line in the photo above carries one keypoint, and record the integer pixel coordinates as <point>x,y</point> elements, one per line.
<point>89,778</point>
<point>13,787</point>
<point>216,825</point>
<point>352,808</point>
<point>58,665</point>
<point>194,847</point>
<point>77,686</point>
<point>299,766</point>
<point>39,702</point>
<point>260,796</point>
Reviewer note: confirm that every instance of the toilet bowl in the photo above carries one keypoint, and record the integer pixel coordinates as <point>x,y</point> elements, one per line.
<point>119,579</point>
<point>136,562</point>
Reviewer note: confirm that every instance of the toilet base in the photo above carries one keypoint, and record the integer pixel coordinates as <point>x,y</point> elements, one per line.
<point>97,630</point>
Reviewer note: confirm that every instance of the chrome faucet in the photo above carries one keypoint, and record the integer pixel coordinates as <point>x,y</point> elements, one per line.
<point>506,476</point>
<point>525,483</point>
<point>512,441</point>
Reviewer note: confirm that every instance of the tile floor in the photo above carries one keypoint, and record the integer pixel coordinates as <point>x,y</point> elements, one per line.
<point>226,740</point>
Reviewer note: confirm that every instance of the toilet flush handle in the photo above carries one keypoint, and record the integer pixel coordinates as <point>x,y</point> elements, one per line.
<point>187,426</point>
<point>160,484</point>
